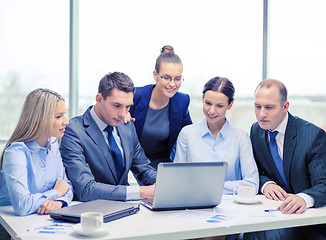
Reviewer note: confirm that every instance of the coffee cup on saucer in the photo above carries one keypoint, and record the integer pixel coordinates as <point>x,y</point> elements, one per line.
<point>245,194</point>
<point>91,221</point>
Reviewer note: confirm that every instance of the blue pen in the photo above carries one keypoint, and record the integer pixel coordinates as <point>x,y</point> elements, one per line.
<point>52,228</point>
<point>271,210</point>
<point>43,231</point>
<point>51,225</point>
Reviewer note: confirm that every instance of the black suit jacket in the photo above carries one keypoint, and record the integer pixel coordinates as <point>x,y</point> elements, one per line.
<point>304,158</point>
<point>89,163</point>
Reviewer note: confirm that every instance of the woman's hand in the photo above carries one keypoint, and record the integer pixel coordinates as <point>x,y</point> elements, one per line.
<point>48,206</point>
<point>128,118</point>
<point>61,186</point>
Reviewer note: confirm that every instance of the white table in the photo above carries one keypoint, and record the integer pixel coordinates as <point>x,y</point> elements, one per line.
<point>147,224</point>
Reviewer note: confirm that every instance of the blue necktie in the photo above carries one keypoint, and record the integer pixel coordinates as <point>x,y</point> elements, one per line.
<point>115,151</point>
<point>276,157</point>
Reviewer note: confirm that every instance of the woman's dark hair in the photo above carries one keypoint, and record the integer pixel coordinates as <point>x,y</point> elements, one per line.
<point>117,80</point>
<point>222,85</point>
<point>166,49</point>
<point>167,55</point>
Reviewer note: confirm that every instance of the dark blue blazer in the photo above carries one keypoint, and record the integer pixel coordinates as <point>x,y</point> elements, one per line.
<point>178,110</point>
<point>89,163</point>
<point>304,158</point>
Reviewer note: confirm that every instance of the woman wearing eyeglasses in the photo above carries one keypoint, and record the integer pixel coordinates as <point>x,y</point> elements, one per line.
<point>159,110</point>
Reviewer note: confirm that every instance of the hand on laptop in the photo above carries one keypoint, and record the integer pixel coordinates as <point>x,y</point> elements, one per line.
<point>147,191</point>
<point>48,206</point>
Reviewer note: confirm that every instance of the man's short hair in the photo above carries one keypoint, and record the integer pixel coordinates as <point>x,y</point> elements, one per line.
<point>267,83</point>
<point>117,80</point>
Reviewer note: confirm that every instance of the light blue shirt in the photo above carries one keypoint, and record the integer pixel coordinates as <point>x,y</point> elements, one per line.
<point>232,145</point>
<point>28,175</point>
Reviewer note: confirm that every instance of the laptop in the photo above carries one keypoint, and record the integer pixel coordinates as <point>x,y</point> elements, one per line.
<point>111,210</point>
<point>187,186</point>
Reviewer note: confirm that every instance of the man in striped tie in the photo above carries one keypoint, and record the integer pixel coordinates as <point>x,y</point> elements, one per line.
<point>291,158</point>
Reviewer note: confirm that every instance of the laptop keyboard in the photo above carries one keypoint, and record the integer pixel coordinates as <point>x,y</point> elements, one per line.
<point>150,201</point>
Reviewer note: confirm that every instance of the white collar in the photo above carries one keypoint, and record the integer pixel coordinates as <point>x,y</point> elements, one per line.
<point>282,126</point>
<point>101,125</point>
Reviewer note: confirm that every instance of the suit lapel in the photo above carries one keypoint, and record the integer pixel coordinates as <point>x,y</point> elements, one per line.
<point>289,147</point>
<point>96,135</point>
<point>175,117</point>
<point>141,108</point>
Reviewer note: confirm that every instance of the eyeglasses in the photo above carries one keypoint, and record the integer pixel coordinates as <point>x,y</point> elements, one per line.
<point>168,79</point>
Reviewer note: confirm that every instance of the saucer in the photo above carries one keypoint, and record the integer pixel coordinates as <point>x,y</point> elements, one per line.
<point>79,230</point>
<point>246,200</point>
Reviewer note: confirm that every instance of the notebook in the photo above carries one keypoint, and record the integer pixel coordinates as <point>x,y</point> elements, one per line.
<point>188,185</point>
<point>111,210</point>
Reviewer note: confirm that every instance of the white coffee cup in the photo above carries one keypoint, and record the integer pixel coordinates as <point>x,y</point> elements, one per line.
<point>91,221</point>
<point>245,192</point>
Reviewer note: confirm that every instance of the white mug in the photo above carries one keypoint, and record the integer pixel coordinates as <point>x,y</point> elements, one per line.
<point>245,192</point>
<point>91,221</point>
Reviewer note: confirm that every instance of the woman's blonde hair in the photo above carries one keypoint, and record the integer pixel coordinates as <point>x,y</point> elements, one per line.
<point>36,117</point>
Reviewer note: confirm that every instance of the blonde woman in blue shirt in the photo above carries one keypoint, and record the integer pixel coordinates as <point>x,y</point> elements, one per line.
<point>32,175</point>
<point>214,139</point>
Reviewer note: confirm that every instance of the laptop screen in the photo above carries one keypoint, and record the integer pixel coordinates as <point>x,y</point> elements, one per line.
<point>189,185</point>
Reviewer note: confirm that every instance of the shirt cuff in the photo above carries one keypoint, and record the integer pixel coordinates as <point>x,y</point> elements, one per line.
<point>310,202</point>
<point>64,203</point>
<point>51,194</point>
<point>133,193</point>
<point>262,188</point>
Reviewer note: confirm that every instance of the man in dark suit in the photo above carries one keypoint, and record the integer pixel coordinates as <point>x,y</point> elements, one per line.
<point>98,151</point>
<point>291,157</point>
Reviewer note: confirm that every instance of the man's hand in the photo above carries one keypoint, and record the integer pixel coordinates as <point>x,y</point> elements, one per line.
<point>275,192</point>
<point>48,206</point>
<point>128,118</point>
<point>293,204</point>
<point>147,191</point>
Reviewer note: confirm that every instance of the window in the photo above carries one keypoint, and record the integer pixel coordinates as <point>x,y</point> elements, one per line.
<point>212,38</point>
<point>34,52</point>
<point>297,55</point>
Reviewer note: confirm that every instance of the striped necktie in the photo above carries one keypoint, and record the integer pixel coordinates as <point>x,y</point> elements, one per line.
<point>276,157</point>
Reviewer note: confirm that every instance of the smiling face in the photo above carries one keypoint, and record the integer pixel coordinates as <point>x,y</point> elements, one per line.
<point>215,105</point>
<point>269,109</point>
<point>114,108</point>
<point>171,70</point>
<point>60,121</point>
